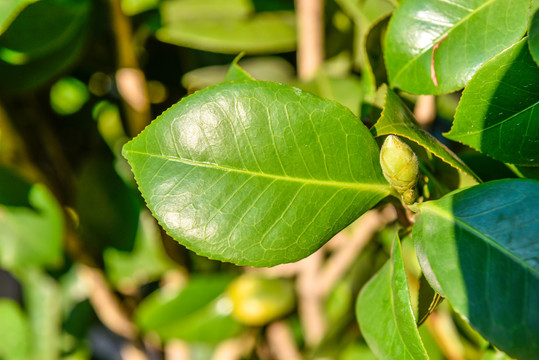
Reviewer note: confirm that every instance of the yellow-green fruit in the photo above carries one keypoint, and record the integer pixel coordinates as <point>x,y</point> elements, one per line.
<point>399,164</point>
<point>258,300</point>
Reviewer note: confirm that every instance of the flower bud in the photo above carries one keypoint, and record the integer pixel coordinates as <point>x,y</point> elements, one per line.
<point>409,196</point>
<point>399,164</point>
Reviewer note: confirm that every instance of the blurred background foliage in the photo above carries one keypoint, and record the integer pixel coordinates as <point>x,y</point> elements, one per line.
<point>87,273</point>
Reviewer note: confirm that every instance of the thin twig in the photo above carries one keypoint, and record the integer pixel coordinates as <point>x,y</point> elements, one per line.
<point>425,110</point>
<point>281,341</point>
<point>105,303</point>
<point>340,261</point>
<point>234,349</point>
<point>310,299</point>
<point>177,350</point>
<point>445,334</point>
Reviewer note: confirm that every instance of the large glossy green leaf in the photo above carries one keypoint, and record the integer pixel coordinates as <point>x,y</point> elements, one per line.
<point>31,224</point>
<point>264,33</point>
<point>499,110</point>
<point>198,312</point>
<point>478,247</point>
<point>397,119</point>
<point>14,331</point>
<point>256,173</point>
<point>384,312</point>
<point>462,34</point>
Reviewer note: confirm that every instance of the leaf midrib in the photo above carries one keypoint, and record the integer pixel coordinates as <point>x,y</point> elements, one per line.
<point>384,189</point>
<point>446,215</point>
<point>427,48</point>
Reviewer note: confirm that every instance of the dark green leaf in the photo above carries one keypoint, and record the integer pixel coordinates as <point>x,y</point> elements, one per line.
<point>530,172</point>
<point>31,224</point>
<point>398,120</point>
<point>533,37</point>
<point>385,314</point>
<point>256,173</point>
<point>264,33</point>
<point>103,201</point>
<point>196,313</point>
<point>427,300</point>
<point>478,247</point>
<point>32,36</point>
<point>462,35</point>
<point>36,48</point>
<point>364,13</point>
<point>147,262</point>
<point>374,50</point>
<point>9,10</point>
<point>14,331</point>
<point>496,112</point>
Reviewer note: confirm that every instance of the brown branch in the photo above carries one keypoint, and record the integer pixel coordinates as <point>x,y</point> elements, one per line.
<point>130,80</point>
<point>105,303</point>
<point>445,334</point>
<point>310,299</point>
<point>281,341</point>
<point>340,261</point>
<point>177,350</point>
<point>234,349</point>
<point>425,110</point>
<point>310,19</point>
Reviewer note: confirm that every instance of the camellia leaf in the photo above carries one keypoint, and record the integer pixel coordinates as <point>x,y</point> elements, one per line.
<point>396,119</point>
<point>198,312</point>
<point>533,37</point>
<point>384,312</point>
<point>498,111</point>
<point>14,331</point>
<point>235,72</point>
<point>35,48</point>
<point>32,224</point>
<point>435,46</point>
<point>256,173</point>
<point>264,33</point>
<point>177,10</point>
<point>9,9</point>
<point>42,299</point>
<point>478,248</point>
